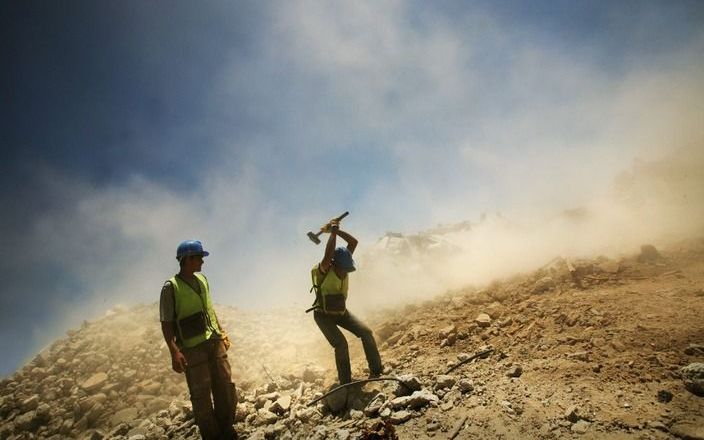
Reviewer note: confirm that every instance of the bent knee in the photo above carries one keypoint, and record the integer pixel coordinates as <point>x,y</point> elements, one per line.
<point>340,344</point>
<point>366,333</point>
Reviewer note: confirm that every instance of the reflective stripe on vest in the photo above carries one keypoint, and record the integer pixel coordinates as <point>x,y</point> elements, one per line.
<point>188,302</point>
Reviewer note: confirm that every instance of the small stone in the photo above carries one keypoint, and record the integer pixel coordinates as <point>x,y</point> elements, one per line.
<point>264,417</point>
<point>449,341</point>
<point>693,378</point>
<point>572,414</point>
<point>409,384</point>
<point>581,427</point>
<point>483,320</point>
<point>515,371</point>
<point>306,415</point>
<point>26,421</point>
<point>95,435</point>
<point>265,400</point>
<point>126,415</point>
<point>399,417</point>
<point>241,412</point>
<point>543,284</point>
<point>421,398</point>
<point>689,429</point>
<point>432,426</point>
<point>120,430</point>
<point>617,345</point>
<point>664,396</point>
<point>355,414</point>
<point>580,356</point>
<point>281,405</point>
<point>30,403</point>
<point>658,425</point>
<point>342,434</point>
<point>400,402</point>
<point>95,382</point>
<point>444,381</point>
<point>466,385</point>
<point>43,413</point>
<point>447,331</point>
<point>507,406</point>
<point>373,407</point>
<point>694,349</point>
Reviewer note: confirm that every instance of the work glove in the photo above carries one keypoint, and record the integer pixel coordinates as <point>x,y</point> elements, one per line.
<point>226,341</point>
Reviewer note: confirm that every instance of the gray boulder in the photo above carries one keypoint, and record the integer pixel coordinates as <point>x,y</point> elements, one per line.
<point>693,378</point>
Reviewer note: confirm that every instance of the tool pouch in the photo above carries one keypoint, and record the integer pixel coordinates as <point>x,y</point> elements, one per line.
<point>192,325</point>
<point>334,304</point>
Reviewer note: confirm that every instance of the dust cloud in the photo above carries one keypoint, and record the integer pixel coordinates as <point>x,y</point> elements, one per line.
<point>656,202</point>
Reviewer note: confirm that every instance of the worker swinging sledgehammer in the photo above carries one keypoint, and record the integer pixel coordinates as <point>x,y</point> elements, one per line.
<point>330,282</point>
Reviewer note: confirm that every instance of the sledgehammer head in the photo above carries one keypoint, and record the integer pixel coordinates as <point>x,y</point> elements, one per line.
<point>314,238</point>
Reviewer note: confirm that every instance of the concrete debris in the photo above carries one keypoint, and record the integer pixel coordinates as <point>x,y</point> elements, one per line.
<point>466,385</point>
<point>417,400</point>
<point>399,417</point>
<point>515,371</point>
<point>580,427</point>
<point>603,358</point>
<point>544,284</point>
<point>572,414</point>
<point>694,350</point>
<point>444,382</point>
<point>690,429</point>
<point>693,378</point>
<point>483,320</point>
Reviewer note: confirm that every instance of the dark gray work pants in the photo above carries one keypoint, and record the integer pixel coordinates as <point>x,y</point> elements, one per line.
<point>329,324</point>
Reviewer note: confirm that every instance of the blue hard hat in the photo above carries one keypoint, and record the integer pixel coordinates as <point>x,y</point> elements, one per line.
<point>343,259</point>
<point>190,247</point>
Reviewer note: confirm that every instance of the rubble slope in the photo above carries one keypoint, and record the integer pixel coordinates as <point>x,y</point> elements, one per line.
<point>590,348</point>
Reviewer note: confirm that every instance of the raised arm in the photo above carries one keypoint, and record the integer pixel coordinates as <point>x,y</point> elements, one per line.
<point>351,241</point>
<point>334,229</point>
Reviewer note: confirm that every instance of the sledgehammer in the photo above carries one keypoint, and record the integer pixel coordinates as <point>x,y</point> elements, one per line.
<point>314,237</point>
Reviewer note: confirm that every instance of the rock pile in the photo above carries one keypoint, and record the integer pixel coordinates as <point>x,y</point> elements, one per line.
<point>602,347</point>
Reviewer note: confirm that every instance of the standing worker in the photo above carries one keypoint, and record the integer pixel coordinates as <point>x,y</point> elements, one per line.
<point>198,344</point>
<point>330,282</point>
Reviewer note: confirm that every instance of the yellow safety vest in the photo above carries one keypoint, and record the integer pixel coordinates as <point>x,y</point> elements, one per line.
<point>330,291</point>
<point>195,316</point>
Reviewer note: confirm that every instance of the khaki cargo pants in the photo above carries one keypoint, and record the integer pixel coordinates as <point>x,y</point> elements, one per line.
<point>209,372</point>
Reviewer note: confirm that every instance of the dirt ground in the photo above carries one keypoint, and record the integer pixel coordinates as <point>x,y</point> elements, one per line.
<point>587,348</point>
<point>606,349</point>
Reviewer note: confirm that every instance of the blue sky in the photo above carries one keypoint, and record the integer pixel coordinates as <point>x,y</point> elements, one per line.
<point>129,126</point>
